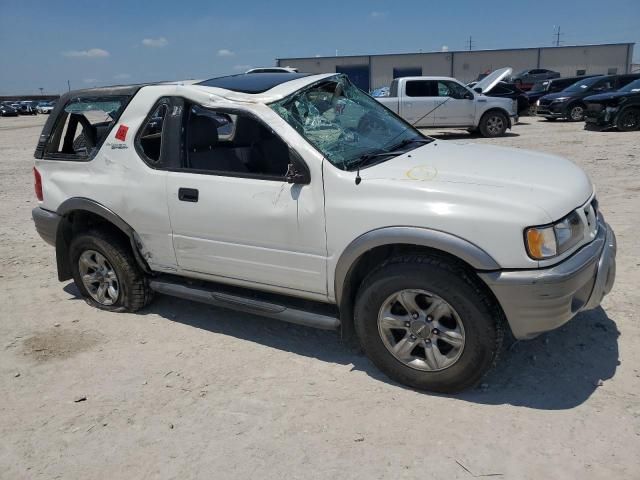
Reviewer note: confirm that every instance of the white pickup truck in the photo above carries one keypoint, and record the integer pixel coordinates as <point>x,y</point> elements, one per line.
<point>299,197</point>
<point>444,102</point>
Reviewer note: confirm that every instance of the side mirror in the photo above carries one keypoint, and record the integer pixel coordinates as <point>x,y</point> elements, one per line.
<point>477,90</point>
<point>297,171</point>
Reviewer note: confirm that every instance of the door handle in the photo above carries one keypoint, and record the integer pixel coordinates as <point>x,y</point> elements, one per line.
<point>188,194</point>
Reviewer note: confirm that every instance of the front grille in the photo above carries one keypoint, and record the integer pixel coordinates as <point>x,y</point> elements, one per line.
<point>544,102</point>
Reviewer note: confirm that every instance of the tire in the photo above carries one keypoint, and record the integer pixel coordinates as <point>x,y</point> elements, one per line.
<point>576,113</point>
<point>629,120</point>
<point>472,315</point>
<point>130,284</point>
<point>493,124</point>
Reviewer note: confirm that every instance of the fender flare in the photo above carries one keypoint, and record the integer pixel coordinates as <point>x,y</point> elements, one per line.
<point>424,237</point>
<point>76,204</point>
<point>493,109</point>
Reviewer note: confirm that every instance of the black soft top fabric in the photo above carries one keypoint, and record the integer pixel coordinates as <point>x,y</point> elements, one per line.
<point>252,82</point>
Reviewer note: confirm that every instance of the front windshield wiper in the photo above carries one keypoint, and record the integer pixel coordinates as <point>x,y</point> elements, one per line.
<point>365,159</point>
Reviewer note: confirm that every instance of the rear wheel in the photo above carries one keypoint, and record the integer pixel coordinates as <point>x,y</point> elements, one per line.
<point>493,124</point>
<point>576,113</point>
<point>629,120</point>
<point>106,273</point>
<point>427,324</point>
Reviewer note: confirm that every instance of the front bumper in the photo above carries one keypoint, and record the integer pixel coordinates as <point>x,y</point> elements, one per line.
<point>46,224</point>
<point>552,110</point>
<point>536,301</point>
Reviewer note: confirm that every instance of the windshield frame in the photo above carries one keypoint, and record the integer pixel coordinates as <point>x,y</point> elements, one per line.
<point>353,163</point>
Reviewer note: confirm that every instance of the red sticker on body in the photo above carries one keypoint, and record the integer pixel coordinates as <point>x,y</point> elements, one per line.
<point>121,134</point>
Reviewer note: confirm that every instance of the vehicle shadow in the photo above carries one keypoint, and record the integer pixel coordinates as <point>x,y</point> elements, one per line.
<point>556,371</point>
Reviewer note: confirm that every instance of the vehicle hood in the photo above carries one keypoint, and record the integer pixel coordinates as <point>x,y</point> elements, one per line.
<point>491,80</point>
<point>603,97</point>
<point>505,177</point>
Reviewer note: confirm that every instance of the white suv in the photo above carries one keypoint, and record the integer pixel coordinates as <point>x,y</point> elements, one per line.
<point>301,198</point>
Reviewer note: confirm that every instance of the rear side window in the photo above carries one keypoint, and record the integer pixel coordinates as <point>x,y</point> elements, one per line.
<point>82,126</point>
<point>422,88</point>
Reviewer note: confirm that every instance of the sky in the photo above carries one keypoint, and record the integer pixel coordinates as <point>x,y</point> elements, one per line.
<point>45,43</point>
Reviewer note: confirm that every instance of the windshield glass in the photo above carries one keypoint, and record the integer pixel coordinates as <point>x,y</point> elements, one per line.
<point>631,87</point>
<point>343,122</point>
<point>582,85</point>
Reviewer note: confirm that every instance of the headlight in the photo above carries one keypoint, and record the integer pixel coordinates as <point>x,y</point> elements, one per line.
<point>560,100</point>
<point>551,240</point>
<point>538,103</point>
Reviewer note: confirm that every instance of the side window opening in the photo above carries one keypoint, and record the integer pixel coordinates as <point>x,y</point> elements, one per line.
<point>421,88</point>
<point>235,144</point>
<point>83,125</point>
<point>151,136</point>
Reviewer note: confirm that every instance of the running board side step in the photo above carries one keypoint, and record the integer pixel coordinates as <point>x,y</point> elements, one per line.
<point>247,305</point>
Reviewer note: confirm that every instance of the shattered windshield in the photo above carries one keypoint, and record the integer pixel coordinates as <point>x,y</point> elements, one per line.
<point>344,123</point>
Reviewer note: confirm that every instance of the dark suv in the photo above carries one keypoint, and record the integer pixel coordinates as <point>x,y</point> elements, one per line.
<point>569,103</point>
<point>540,89</point>
<point>620,109</point>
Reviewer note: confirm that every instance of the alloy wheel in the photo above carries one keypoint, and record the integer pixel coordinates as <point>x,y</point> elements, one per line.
<point>99,277</point>
<point>495,124</point>
<point>421,330</point>
<point>577,113</point>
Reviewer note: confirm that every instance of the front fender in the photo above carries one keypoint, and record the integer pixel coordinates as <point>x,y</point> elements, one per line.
<point>445,242</point>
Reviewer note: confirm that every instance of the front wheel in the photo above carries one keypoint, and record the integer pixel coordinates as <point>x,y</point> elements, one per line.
<point>427,324</point>
<point>629,120</point>
<point>106,272</point>
<point>493,124</point>
<point>576,113</point>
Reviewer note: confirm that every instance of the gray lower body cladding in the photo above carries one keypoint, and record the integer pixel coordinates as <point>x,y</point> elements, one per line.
<point>536,301</point>
<point>46,223</point>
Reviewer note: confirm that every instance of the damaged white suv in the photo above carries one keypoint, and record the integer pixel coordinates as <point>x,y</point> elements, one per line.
<point>301,198</point>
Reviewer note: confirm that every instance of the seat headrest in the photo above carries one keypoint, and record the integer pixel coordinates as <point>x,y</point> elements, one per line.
<point>202,133</point>
<point>248,131</point>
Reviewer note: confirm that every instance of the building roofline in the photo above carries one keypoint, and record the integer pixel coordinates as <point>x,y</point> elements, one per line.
<point>278,59</point>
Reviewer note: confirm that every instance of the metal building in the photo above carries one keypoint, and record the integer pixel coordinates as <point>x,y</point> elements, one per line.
<point>374,71</point>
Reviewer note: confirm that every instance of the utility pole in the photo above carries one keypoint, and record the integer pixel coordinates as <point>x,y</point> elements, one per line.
<point>470,43</point>
<point>41,90</point>
<point>557,35</point>
<point>68,86</point>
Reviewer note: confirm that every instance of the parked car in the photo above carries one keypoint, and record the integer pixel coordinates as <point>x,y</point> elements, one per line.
<point>45,107</point>
<point>26,108</point>
<point>7,110</point>
<point>569,103</point>
<point>272,70</point>
<point>526,78</point>
<point>619,109</point>
<point>540,89</point>
<point>445,102</point>
<point>425,250</point>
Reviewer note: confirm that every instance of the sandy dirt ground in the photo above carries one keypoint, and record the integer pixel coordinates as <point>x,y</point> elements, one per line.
<point>183,390</point>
